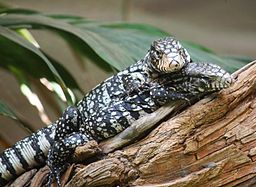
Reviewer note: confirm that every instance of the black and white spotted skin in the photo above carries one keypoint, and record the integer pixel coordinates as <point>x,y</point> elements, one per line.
<point>166,73</point>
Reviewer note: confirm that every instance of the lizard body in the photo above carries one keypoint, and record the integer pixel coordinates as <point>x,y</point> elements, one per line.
<point>166,73</point>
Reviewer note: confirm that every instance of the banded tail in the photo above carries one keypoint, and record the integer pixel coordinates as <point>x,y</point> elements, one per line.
<point>26,154</point>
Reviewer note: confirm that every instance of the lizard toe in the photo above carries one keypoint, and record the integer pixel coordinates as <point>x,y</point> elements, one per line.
<point>56,174</point>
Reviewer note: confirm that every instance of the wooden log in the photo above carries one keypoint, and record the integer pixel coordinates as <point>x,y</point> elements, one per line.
<point>210,143</point>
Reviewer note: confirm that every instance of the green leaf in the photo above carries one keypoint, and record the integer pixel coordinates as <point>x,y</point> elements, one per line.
<point>236,61</point>
<point>17,11</point>
<point>27,53</point>
<point>118,44</point>
<point>64,73</point>
<point>202,54</point>
<point>122,43</point>
<point>5,110</point>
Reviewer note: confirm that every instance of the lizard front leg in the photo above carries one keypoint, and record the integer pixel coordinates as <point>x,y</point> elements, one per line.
<point>134,82</point>
<point>162,95</point>
<point>67,138</point>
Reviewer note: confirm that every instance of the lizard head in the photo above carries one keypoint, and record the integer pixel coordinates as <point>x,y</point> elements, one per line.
<point>205,77</point>
<point>167,55</point>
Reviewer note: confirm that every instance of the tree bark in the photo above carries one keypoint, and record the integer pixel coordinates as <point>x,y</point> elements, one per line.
<point>211,143</point>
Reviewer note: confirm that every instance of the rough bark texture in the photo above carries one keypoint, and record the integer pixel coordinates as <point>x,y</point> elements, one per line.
<point>211,143</point>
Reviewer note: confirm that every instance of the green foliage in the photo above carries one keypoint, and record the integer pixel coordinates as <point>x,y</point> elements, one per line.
<point>5,110</point>
<point>35,60</point>
<point>109,45</point>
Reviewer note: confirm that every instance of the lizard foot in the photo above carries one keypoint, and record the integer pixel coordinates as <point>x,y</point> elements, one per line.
<point>60,155</point>
<point>55,173</point>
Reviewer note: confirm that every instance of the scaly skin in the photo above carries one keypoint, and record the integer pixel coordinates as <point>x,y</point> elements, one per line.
<point>166,73</point>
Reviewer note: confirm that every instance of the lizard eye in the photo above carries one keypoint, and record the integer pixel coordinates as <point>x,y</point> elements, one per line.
<point>158,53</point>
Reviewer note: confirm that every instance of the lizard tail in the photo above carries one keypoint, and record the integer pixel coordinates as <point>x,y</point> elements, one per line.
<point>26,154</point>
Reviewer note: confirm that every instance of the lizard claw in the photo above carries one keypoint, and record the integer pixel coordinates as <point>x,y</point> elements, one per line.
<point>49,180</point>
<point>55,173</point>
